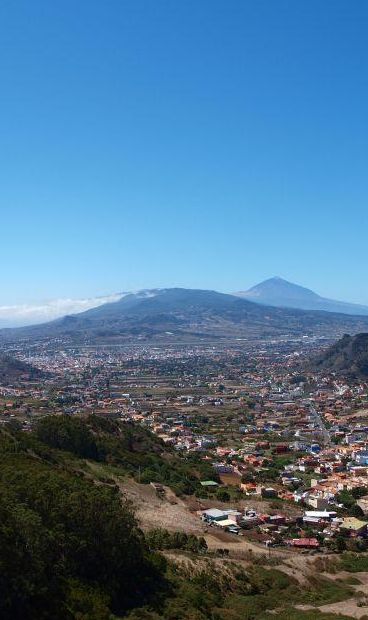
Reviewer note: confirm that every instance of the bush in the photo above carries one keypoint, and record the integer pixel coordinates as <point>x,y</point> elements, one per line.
<point>160,539</point>
<point>222,495</point>
<point>354,563</point>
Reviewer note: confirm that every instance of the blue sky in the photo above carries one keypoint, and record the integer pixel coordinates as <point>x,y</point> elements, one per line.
<point>204,143</point>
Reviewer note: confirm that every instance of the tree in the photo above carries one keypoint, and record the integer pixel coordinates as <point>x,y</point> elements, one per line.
<point>340,543</point>
<point>359,492</point>
<point>56,527</point>
<point>68,433</point>
<point>222,495</point>
<point>248,476</point>
<point>346,498</point>
<point>356,511</point>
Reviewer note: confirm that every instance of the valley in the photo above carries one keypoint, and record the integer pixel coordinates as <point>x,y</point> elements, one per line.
<point>233,454</point>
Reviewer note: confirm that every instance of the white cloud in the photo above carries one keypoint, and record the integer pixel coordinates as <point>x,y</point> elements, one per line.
<point>30,314</point>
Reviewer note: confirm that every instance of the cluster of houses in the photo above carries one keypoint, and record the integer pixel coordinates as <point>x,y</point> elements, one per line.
<point>272,529</point>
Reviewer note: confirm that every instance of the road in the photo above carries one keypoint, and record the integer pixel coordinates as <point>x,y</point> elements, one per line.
<point>319,422</point>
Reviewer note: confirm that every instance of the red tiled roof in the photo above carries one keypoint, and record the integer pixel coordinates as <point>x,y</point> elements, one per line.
<point>305,542</point>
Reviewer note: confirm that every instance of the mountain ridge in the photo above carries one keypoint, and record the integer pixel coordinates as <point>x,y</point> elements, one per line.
<point>188,314</point>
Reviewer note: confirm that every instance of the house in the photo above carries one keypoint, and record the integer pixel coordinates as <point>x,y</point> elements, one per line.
<point>318,517</point>
<point>223,468</point>
<point>275,519</point>
<point>230,525</point>
<point>304,543</point>
<point>354,527</point>
<point>326,515</point>
<point>267,492</point>
<point>214,515</point>
<point>319,503</point>
<point>234,515</point>
<point>250,488</point>
<point>250,519</point>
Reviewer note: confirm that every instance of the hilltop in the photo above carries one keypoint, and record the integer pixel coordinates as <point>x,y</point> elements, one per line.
<point>281,293</point>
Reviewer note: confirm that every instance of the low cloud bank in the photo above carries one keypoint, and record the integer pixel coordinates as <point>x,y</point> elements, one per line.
<point>31,314</point>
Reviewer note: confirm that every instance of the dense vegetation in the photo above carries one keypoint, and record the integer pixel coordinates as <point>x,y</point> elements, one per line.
<point>70,547</point>
<point>160,539</point>
<point>66,544</point>
<point>130,447</point>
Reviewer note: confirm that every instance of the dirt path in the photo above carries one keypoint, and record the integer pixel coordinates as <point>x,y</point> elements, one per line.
<point>221,540</point>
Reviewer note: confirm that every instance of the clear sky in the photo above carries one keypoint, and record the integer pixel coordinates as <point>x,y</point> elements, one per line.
<point>198,143</point>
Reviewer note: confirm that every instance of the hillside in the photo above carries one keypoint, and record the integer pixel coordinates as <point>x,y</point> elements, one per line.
<point>186,314</point>
<point>348,356</point>
<point>281,293</point>
<point>12,370</point>
<point>71,547</point>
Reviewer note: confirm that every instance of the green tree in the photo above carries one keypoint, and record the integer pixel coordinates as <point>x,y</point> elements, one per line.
<point>222,495</point>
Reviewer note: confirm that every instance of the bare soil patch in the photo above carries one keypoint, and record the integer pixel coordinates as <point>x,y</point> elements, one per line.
<point>230,479</point>
<point>169,512</point>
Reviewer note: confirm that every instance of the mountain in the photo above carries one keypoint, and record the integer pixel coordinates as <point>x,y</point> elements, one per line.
<point>179,314</point>
<point>12,370</point>
<point>281,293</point>
<point>348,356</point>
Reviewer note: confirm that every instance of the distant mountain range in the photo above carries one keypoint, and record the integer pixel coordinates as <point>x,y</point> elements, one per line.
<point>283,294</point>
<point>348,356</point>
<point>273,292</point>
<point>178,314</point>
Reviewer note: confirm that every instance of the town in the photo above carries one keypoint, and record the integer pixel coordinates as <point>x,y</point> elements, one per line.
<point>284,449</point>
